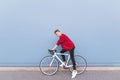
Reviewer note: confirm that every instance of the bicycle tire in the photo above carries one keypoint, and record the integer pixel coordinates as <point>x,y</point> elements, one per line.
<point>81,64</point>
<point>45,67</point>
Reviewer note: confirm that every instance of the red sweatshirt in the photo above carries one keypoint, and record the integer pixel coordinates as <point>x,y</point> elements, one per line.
<point>65,42</point>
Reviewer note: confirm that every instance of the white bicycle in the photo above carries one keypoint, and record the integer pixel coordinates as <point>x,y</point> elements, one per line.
<point>49,65</point>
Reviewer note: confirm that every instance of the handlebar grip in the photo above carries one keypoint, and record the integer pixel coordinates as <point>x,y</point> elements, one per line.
<point>51,50</point>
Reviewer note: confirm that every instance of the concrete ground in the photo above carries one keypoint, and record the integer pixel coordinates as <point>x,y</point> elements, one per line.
<point>35,74</point>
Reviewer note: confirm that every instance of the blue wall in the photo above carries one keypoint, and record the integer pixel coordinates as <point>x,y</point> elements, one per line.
<point>26,30</point>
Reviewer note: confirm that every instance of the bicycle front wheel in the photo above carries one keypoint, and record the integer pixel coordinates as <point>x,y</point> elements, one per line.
<point>48,65</point>
<point>81,64</point>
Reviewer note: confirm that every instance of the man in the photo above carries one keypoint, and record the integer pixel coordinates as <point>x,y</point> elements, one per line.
<point>67,45</point>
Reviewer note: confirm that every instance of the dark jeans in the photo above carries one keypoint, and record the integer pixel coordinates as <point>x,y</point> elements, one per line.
<point>71,56</point>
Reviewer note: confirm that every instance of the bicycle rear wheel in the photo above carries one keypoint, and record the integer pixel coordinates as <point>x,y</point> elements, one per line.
<point>81,64</point>
<point>48,65</point>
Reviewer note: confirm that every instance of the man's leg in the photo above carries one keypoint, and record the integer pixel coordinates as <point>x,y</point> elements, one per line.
<point>72,58</point>
<point>63,56</point>
<point>74,73</point>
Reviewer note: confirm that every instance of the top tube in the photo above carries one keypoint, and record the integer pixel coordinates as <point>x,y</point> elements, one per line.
<point>61,53</point>
<point>54,52</point>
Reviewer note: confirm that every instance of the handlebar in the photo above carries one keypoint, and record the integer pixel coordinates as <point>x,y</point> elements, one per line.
<point>51,51</point>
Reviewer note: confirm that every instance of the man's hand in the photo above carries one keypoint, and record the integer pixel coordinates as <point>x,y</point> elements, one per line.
<point>54,48</point>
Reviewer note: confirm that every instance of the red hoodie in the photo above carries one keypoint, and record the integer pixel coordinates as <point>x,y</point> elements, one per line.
<point>65,42</point>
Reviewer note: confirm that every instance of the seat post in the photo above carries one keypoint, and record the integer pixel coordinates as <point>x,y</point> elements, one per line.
<point>68,59</point>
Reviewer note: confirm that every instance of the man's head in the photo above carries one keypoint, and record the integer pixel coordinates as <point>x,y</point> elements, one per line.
<point>57,32</point>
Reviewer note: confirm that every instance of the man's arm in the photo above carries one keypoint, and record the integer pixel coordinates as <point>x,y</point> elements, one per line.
<point>60,41</point>
<point>54,48</point>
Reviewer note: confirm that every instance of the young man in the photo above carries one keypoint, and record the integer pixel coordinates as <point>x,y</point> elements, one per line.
<point>67,45</point>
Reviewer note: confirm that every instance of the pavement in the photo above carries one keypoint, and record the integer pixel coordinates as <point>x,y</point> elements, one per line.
<point>35,74</point>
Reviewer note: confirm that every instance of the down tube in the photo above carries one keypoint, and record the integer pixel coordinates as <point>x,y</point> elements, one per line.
<point>52,61</point>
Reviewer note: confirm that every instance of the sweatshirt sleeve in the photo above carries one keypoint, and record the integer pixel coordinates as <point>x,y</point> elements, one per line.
<point>60,41</point>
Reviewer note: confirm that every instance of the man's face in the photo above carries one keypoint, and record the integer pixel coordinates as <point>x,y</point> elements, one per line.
<point>58,34</point>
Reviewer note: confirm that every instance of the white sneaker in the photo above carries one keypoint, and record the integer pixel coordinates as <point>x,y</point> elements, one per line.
<point>61,65</point>
<point>74,73</point>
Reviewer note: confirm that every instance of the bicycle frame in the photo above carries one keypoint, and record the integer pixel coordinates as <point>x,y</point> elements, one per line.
<point>58,58</point>
<point>54,58</point>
